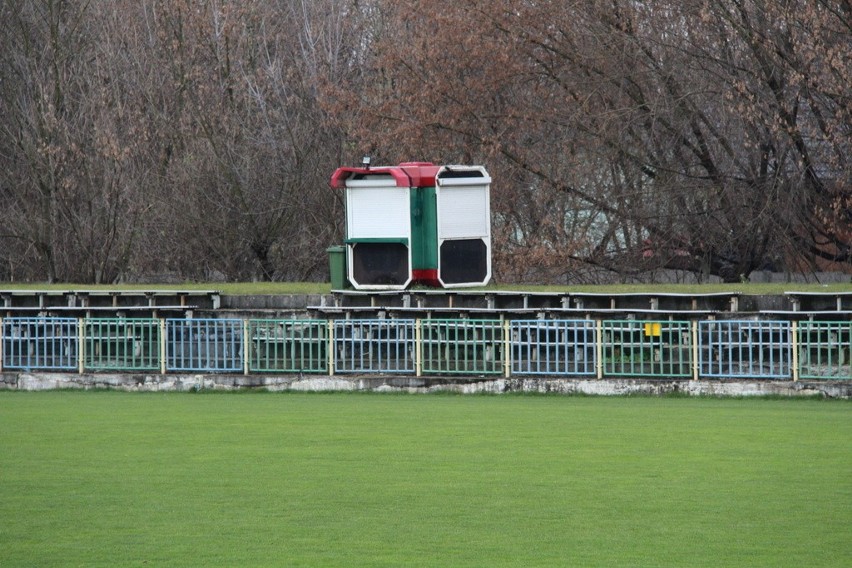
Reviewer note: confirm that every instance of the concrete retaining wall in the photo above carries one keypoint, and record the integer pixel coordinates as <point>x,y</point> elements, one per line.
<point>468,385</point>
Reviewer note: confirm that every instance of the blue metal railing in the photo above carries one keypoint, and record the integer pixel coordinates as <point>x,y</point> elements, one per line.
<point>553,347</point>
<point>745,349</point>
<point>374,346</point>
<point>461,346</point>
<point>210,345</point>
<point>48,343</point>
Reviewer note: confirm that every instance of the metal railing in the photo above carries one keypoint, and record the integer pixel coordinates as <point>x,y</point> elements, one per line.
<point>824,350</point>
<point>745,349</point>
<point>462,346</point>
<point>211,345</point>
<point>120,344</point>
<point>287,346</point>
<point>553,347</point>
<point>708,349</point>
<point>631,348</point>
<point>50,343</point>
<point>374,346</point>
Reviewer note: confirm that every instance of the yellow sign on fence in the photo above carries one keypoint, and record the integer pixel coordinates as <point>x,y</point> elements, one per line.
<point>652,330</point>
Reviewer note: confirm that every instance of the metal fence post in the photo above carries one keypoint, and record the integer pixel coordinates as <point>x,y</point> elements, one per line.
<point>246,347</point>
<point>330,348</point>
<point>794,333</point>
<point>599,347</point>
<point>418,349</point>
<point>81,345</point>
<point>695,365</point>
<point>507,351</point>
<point>162,346</point>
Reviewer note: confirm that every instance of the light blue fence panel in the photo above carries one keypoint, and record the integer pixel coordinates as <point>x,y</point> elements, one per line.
<point>553,347</point>
<point>288,346</point>
<point>122,344</point>
<point>825,349</point>
<point>638,348</point>
<point>49,343</point>
<point>374,346</point>
<point>210,345</point>
<point>745,349</point>
<point>461,346</point>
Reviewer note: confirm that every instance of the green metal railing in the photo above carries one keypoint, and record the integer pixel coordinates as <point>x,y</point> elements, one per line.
<point>288,346</point>
<point>462,346</point>
<point>631,348</point>
<point>824,350</point>
<point>121,344</point>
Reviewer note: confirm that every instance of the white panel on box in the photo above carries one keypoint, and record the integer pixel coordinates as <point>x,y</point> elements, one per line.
<point>463,211</point>
<point>378,212</point>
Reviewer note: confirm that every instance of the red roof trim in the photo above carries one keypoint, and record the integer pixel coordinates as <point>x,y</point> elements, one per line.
<point>407,174</point>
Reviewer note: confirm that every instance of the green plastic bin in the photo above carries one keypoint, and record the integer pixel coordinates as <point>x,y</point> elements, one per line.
<point>337,267</point>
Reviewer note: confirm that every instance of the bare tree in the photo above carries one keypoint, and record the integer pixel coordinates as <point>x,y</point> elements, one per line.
<point>195,139</point>
<point>67,166</point>
<point>713,139</point>
<point>180,138</point>
<point>255,143</point>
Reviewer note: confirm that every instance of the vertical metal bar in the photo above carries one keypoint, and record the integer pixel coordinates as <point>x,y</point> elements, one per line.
<point>695,352</point>
<point>794,335</point>
<point>418,348</point>
<point>813,336</point>
<point>203,359</point>
<point>80,345</point>
<point>330,344</point>
<point>517,355</point>
<point>806,332</point>
<point>162,346</point>
<point>507,353</point>
<point>214,345</point>
<point>767,346</point>
<point>257,338</point>
<point>599,347</point>
<point>551,355</point>
<point>34,356</point>
<point>776,358</point>
<point>246,347</point>
<point>187,341</point>
<point>40,354</point>
<point>625,336</point>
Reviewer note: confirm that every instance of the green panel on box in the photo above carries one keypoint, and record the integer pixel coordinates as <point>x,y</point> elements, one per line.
<point>424,228</point>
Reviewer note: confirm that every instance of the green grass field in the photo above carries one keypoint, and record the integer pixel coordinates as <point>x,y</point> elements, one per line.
<point>124,479</point>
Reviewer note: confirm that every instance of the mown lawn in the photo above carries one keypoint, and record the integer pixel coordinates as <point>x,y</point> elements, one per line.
<point>123,479</point>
